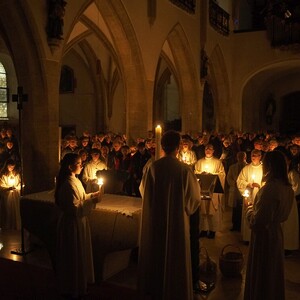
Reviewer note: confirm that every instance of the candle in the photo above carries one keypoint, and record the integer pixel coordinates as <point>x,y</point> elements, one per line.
<point>253,177</point>
<point>246,194</point>
<point>206,168</point>
<point>157,141</point>
<point>100,182</point>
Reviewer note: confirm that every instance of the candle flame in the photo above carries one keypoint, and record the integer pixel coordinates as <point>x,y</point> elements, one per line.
<point>100,181</point>
<point>246,194</point>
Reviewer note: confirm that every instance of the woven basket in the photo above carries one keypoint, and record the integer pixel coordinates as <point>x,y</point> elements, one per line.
<point>231,263</point>
<point>207,267</point>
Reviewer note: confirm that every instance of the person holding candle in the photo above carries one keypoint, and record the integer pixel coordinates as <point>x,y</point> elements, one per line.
<point>89,177</point>
<point>74,261</point>
<point>271,207</point>
<point>250,180</point>
<point>211,210</point>
<point>10,187</point>
<point>186,154</point>
<point>168,248</point>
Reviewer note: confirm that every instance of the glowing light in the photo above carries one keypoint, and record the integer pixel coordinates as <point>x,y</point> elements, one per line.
<point>100,181</point>
<point>11,180</point>
<point>246,194</point>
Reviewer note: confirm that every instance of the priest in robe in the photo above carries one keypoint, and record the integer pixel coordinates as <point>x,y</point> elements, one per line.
<point>211,210</point>
<point>170,194</point>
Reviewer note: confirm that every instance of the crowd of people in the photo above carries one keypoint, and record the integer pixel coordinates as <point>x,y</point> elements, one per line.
<point>235,157</point>
<point>128,168</point>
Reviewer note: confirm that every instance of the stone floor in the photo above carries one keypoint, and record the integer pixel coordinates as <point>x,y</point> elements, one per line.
<point>226,288</point>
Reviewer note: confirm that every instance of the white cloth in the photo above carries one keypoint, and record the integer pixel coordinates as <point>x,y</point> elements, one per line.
<point>211,210</point>
<point>74,261</point>
<point>249,174</point>
<point>290,227</point>
<point>170,193</point>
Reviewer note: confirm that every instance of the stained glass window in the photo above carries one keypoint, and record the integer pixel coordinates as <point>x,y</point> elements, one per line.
<point>3,92</point>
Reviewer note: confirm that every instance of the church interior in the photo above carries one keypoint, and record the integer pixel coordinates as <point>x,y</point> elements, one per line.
<point>126,66</point>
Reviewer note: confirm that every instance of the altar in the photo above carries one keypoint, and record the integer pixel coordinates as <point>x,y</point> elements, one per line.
<point>114,228</point>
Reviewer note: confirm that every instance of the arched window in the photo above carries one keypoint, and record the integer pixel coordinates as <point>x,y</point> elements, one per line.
<point>3,93</point>
<point>66,84</point>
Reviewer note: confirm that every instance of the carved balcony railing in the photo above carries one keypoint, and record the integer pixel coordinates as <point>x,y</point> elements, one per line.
<point>187,5</point>
<point>218,18</point>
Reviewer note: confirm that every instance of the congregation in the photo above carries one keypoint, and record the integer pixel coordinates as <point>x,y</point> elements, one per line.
<point>122,164</point>
<point>235,157</point>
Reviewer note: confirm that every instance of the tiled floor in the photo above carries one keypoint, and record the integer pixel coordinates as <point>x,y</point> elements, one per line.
<point>226,288</point>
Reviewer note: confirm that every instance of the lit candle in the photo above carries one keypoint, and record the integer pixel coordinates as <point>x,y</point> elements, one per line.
<point>11,180</point>
<point>206,168</point>
<point>100,182</point>
<point>246,194</point>
<point>157,141</point>
<point>253,177</point>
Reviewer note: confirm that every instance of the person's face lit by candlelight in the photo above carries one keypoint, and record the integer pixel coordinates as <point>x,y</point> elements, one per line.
<point>255,157</point>
<point>95,156</point>
<point>77,167</point>
<point>209,151</point>
<point>296,140</point>
<point>10,168</point>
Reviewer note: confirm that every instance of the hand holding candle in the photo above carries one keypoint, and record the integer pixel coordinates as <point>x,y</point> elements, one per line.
<point>11,181</point>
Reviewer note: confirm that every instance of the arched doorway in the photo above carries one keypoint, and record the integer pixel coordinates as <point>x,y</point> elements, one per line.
<point>289,118</point>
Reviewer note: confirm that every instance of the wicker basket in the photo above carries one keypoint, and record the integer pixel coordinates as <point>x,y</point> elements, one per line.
<point>207,267</point>
<point>231,263</point>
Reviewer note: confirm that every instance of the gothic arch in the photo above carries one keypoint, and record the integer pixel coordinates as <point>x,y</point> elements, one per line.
<point>25,47</point>
<point>188,79</point>
<point>131,65</point>
<point>278,79</point>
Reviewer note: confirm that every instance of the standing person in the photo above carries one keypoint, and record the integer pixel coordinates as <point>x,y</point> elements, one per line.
<point>10,187</point>
<point>89,174</point>
<point>211,210</point>
<point>138,161</point>
<point>248,183</point>
<point>74,260</point>
<point>186,154</point>
<point>290,227</point>
<point>170,194</point>
<point>235,199</point>
<point>271,207</point>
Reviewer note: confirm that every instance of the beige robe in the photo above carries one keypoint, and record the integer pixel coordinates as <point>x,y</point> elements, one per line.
<point>290,227</point>
<point>74,261</point>
<point>249,174</point>
<point>211,210</point>
<point>265,268</point>
<point>170,194</point>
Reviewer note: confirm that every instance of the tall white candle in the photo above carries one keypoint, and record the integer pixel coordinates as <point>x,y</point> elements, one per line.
<point>157,141</point>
